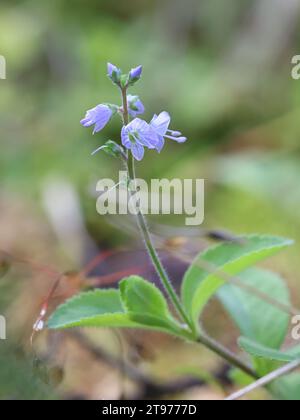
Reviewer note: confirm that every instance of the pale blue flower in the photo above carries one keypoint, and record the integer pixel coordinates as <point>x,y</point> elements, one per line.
<point>160,124</point>
<point>98,116</point>
<point>137,135</point>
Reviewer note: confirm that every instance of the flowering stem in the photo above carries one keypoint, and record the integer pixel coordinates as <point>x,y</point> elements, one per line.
<point>147,237</point>
<point>203,339</point>
<point>125,106</point>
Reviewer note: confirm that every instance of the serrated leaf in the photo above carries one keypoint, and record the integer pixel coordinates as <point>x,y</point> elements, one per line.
<point>99,308</point>
<point>258,350</point>
<point>257,319</point>
<point>141,296</point>
<point>231,258</point>
<point>105,308</point>
<point>146,305</point>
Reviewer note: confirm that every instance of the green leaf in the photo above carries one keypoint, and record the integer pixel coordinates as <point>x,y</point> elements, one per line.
<point>288,388</point>
<point>99,308</point>
<point>258,350</point>
<point>257,319</point>
<point>142,306</point>
<point>240,378</point>
<point>231,258</point>
<point>141,296</point>
<point>111,148</point>
<point>265,366</point>
<point>146,305</point>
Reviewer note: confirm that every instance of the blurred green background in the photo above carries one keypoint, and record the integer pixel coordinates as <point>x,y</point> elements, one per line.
<point>223,71</point>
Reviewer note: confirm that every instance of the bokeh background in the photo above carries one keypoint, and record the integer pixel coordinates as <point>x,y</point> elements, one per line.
<point>223,71</point>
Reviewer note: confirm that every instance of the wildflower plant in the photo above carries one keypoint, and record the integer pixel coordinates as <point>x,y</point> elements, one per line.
<point>258,301</point>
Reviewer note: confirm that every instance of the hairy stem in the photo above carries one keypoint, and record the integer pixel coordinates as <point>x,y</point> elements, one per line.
<point>217,348</point>
<point>125,106</point>
<point>147,237</point>
<point>155,257</point>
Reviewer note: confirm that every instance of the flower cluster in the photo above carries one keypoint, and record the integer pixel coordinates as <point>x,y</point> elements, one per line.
<point>137,134</point>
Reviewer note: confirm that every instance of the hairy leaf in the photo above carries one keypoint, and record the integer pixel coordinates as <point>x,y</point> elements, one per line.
<point>99,308</point>
<point>146,304</point>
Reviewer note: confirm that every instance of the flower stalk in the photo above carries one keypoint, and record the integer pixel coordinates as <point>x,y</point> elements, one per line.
<point>136,136</point>
<point>208,342</point>
<point>147,236</point>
